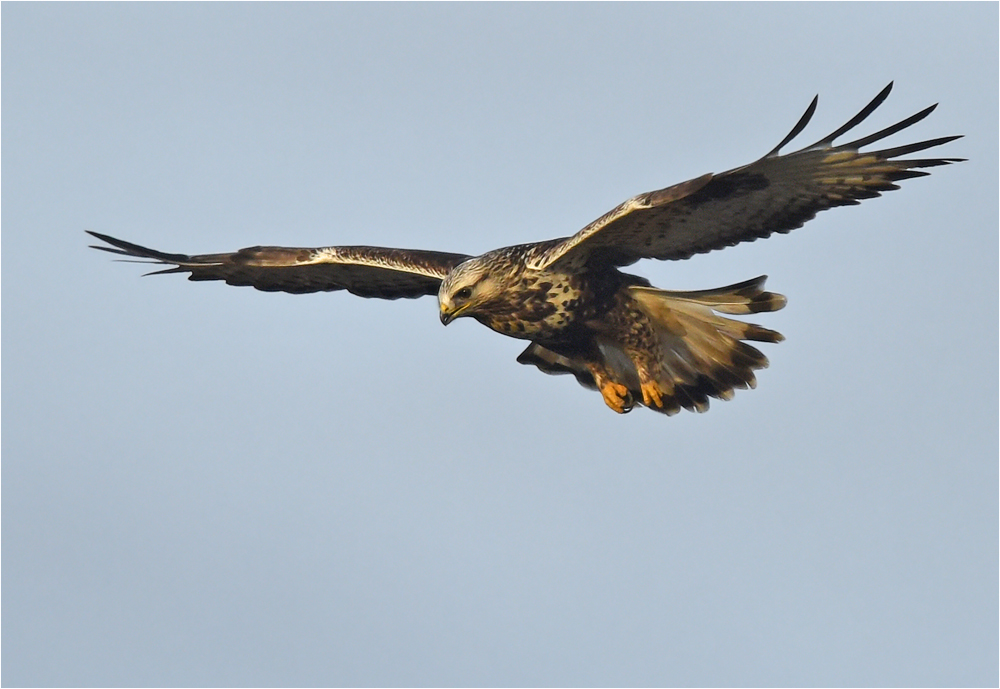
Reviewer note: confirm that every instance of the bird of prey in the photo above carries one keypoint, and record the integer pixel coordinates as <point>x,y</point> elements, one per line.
<point>634,343</point>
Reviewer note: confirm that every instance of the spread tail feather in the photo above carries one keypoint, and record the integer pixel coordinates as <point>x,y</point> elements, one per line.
<point>702,353</point>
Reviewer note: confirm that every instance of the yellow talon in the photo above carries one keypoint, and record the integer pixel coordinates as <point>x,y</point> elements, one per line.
<point>652,394</point>
<point>615,396</point>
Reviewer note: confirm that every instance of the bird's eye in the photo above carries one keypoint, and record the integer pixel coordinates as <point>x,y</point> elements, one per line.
<point>463,293</point>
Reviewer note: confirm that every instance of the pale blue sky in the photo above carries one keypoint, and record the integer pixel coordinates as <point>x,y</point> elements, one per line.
<point>205,485</point>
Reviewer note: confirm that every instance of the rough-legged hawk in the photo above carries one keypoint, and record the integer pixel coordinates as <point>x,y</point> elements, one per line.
<point>613,331</point>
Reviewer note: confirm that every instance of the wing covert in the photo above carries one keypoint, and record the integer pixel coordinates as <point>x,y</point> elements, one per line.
<point>366,271</point>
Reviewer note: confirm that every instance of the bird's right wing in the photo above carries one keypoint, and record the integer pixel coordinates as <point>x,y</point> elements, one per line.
<point>366,271</point>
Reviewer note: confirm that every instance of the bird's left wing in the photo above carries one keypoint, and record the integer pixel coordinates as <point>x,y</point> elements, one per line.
<point>366,271</point>
<point>777,193</point>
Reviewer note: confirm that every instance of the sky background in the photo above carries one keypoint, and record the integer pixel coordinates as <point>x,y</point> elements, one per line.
<point>205,485</point>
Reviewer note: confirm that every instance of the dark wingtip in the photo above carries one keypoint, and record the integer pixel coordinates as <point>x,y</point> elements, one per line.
<point>103,237</point>
<point>799,126</point>
<point>116,245</point>
<point>889,131</point>
<point>120,246</point>
<point>165,271</point>
<point>914,147</point>
<point>854,121</point>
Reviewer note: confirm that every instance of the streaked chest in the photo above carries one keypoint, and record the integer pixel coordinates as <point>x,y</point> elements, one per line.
<point>544,306</point>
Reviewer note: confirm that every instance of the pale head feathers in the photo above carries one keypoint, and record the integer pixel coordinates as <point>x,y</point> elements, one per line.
<point>479,281</point>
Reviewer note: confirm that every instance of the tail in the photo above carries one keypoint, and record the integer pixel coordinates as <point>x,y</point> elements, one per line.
<point>702,354</point>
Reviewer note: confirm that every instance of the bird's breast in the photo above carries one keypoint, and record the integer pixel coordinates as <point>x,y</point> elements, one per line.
<point>539,306</point>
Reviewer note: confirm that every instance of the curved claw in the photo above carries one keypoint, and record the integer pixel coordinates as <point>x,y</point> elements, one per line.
<point>629,403</point>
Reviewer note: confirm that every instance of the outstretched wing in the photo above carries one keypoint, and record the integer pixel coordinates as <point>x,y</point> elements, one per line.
<point>366,271</point>
<point>777,193</point>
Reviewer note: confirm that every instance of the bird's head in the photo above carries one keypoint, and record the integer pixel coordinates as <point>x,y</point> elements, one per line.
<point>467,288</point>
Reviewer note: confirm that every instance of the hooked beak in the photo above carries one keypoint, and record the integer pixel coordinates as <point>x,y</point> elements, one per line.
<point>449,313</point>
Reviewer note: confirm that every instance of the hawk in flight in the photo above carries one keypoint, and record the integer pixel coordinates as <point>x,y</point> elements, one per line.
<point>634,343</point>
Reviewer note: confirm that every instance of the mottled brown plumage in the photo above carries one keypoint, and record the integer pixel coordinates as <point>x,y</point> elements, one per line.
<point>613,331</point>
